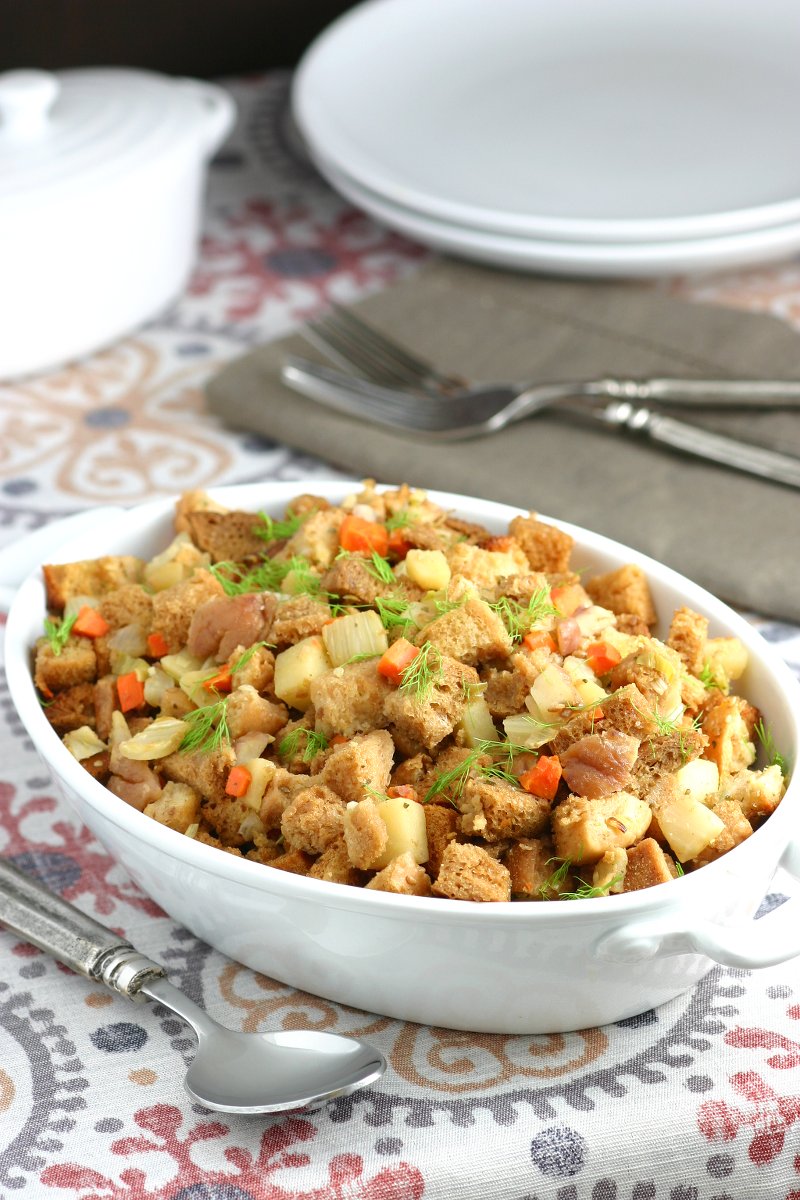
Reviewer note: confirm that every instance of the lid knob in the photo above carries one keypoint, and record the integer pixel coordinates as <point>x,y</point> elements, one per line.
<point>26,98</point>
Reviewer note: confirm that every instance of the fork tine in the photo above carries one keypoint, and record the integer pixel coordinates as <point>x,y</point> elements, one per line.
<point>327,336</point>
<point>392,352</point>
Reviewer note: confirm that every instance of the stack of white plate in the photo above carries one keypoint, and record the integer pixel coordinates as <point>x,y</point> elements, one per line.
<point>575,137</point>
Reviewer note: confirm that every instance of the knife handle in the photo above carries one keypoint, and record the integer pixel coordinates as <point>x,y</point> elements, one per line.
<point>702,443</point>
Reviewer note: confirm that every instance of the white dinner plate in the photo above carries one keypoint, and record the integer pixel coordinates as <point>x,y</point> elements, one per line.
<point>625,120</point>
<point>584,259</point>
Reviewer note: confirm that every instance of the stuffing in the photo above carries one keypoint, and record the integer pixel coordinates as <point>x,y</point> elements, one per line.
<point>431,746</point>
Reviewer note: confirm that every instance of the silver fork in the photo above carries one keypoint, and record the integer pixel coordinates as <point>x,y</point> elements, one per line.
<point>350,342</point>
<point>464,412</point>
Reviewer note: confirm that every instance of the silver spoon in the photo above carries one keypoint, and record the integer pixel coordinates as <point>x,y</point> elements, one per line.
<point>231,1072</point>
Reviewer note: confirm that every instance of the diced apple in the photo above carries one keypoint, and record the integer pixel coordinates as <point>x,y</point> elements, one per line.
<point>261,772</point>
<point>428,569</point>
<point>553,691</point>
<point>295,669</point>
<point>687,824</point>
<point>698,779</point>
<point>585,680</point>
<point>405,826</point>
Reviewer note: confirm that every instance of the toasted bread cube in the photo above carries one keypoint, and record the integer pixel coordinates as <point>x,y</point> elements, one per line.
<point>365,834</point>
<point>403,876</point>
<point>298,618</point>
<point>728,723</point>
<point>93,577</point>
<point>334,866</point>
<point>227,536</point>
<point>495,810</point>
<point>247,712</point>
<point>258,671</point>
<point>688,634</point>
<point>472,633</point>
<point>77,663</point>
<point>624,590</point>
<point>350,699</point>
<point>647,866</point>
<point>758,793</point>
<point>317,539</point>
<point>423,723</point>
<point>71,709</point>
<point>178,807</point>
<point>546,548</point>
<point>736,829</point>
<point>207,771</point>
<point>281,788</point>
<point>441,828</point>
<point>583,829</point>
<point>533,867</point>
<point>364,762</point>
<point>485,567</point>
<point>313,819</point>
<point>128,604</point>
<point>296,862</point>
<point>469,873</point>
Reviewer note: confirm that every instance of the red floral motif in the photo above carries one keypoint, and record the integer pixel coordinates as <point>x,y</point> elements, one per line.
<point>770,1115</point>
<point>242,258</point>
<point>76,843</point>
<point>277,1151</point>
<point>767,1039</point>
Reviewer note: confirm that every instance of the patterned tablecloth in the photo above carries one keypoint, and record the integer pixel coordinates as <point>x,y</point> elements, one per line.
<point>695,1101</point>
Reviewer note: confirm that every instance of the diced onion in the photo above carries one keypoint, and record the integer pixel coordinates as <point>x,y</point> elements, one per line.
<point>585,680</point>
<point>155,685</point>
<point>178,664</point>
<point>124,664</point>
<point>261,772</point>
<point>119,728</point>
<point>477,722</point>
<point>76,603</point>
<point>130,639</point>
<point>525,730</point>
<point>162,737</point>
<point>193,830</point>
<point>250,826</point>
<point>83,743</point>
<point>251,745</point>
<point>360,633</point>
<point>552,691</point>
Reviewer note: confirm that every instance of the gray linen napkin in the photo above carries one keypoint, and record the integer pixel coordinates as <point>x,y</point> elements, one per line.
<point>736,535</point>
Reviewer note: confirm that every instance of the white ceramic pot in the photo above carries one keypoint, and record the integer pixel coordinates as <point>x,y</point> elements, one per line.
<point>508,968</point>
<point>101,183</point>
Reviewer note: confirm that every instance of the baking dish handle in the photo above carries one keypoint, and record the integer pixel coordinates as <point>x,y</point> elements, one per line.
<point>28,552</point>
<point>218,109</point>
<point>773,939</point>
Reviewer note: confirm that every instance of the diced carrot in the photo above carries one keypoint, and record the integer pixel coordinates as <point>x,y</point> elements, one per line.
<point>499,544</point>
<point>221,682</point>
<point>338,739</point>
<point>397,546</point>
<point>239,780</point>
<point>538,639</point>
<point>403,791</point>
<point>157,645</point>
<point>394,661</point>
<point>543,778</point>
<point>130,690</point>
<point>90,624</point>
<point>360,536</point>
<point>601,657</point>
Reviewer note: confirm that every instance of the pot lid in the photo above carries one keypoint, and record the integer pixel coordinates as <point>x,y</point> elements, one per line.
<point>75,130</point>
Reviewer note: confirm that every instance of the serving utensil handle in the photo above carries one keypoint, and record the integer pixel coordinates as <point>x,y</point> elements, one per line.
<point>706,393</point>
<point>702,443</point>
<point>41,917</point>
